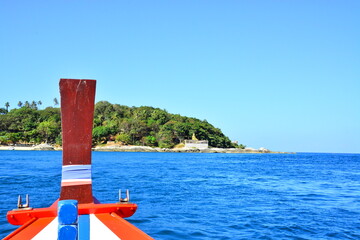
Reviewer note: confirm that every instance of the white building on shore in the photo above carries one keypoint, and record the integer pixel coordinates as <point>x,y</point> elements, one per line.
<point>199,144</point>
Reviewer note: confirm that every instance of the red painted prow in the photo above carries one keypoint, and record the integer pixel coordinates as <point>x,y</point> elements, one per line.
<point>17,217</point>
<point>77,113</point>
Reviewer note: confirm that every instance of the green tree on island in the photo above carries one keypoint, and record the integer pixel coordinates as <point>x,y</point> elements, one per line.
<point>33,105</point>
<point>56,102</point>
<point>7,105</point>
<point>48,130</point>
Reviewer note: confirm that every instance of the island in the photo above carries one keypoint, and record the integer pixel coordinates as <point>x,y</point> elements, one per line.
<point>116,128</point>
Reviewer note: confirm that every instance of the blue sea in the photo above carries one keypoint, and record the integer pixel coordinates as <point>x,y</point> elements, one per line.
<point>206,196</point>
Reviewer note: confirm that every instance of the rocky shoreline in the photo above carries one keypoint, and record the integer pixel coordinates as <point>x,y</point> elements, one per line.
<point>118,148</point>
<point>28,147</point>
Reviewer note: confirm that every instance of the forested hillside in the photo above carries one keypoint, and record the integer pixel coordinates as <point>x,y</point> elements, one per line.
<point>128,125</point>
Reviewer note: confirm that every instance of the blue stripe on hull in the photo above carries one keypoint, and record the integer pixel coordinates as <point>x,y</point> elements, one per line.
<point>84,227</point>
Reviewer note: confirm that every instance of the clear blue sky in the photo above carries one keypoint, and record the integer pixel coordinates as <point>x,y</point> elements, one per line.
<point>284,75</point>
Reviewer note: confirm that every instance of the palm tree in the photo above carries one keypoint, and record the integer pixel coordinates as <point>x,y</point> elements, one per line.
<point>27,104</point>
<point>20,104</point>
<point>56,102</point>
<point>33,105</point>
<point>7,105</point>
<point>39,102</point>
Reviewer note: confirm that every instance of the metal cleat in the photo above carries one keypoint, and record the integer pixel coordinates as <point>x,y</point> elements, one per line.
<point>25,206</point>
<point>124,200</point>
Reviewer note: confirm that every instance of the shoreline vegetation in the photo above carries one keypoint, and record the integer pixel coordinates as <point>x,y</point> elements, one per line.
<point>116,128</point>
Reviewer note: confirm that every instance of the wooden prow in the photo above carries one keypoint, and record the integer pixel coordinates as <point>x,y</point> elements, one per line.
<point>77,113</point>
